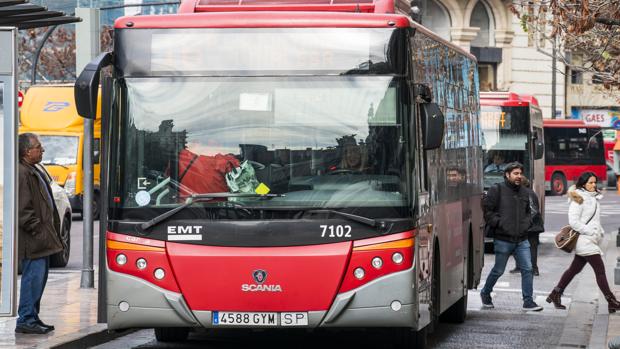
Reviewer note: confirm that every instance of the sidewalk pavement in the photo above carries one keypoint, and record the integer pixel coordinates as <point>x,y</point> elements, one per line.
<point>72,310</point>
<point>613,252</point>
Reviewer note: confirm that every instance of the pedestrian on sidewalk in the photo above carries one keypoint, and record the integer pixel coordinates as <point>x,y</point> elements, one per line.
<point>584,216</point>
<point>507,216</point>
<point>39,225</point>
<point>537,226</point>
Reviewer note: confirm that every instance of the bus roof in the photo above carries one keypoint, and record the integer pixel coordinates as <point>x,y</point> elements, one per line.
<point>507,99</point>
<point>567,123</point>
<point>368,6</point>
<point>281,19</point>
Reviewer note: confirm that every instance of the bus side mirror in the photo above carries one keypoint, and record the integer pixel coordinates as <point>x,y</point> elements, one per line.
<point>539,149</point>
<point>432,125</point>
<point>87,86</point>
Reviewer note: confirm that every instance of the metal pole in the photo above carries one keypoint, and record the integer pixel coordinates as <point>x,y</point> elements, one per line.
<point>35,60</point>
<point>87,48</point>
<point>88,280</point>
<point>553,80</point>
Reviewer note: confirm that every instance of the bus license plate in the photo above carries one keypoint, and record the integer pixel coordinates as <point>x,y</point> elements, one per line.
<point>225,318</point>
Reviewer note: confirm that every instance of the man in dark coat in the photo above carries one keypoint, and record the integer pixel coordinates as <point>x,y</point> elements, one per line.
<point>38,237</point>
<point>507,214</point>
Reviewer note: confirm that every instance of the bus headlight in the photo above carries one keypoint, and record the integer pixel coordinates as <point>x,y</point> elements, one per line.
<point>359,273</point>
<point>397,258</point>
<point>377,262</point>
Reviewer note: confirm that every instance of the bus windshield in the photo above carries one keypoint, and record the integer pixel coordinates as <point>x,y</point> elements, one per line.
<point>322,142</point>
<point>505,139</point>
<point>59,150</point>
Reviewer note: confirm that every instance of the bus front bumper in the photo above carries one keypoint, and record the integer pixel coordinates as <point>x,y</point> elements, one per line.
<point>386,302</point>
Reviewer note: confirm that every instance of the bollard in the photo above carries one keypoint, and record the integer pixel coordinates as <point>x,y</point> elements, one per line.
<point>618,238</point>
<point>617,272</point>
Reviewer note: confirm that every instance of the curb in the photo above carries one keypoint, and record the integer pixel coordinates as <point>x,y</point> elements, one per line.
<point>85,338</point>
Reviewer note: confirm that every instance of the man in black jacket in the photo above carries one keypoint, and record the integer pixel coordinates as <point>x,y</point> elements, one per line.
<point>507,213</point>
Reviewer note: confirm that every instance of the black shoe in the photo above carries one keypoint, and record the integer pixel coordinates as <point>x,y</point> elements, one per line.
<point>31,329</point>
<point>515,270</point>
<point>487,301</point>
<point>536,273</point>
<point>41,323</point>
<point>531,306</point>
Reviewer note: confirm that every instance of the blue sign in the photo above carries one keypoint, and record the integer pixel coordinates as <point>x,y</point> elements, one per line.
<point>52,107</point>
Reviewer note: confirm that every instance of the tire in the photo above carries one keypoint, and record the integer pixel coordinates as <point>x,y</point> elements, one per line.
<point>171,334</point>
<point>61,259</point>
<point>407,338</point>
<point>457,313</point>
<point>96,206</point>
<point>470,264</point>
<point>558,184</point>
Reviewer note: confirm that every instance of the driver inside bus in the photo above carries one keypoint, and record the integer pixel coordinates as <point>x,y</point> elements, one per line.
<point>354,158</point>
<point>497,165</point>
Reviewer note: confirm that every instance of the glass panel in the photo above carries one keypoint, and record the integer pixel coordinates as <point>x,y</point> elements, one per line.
<point>322,141</point>
<point>505,139</point>
<point>1,181</point>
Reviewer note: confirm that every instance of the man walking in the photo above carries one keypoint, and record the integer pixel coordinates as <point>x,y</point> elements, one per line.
<point>39,224</point>
<point>507,212</point>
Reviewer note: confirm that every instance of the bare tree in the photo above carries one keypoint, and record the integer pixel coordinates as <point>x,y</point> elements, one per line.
<point>588,28</point>
<point>57,57</point>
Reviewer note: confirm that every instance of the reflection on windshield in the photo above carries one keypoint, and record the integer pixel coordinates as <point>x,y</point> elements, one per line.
<point>323,142</point>
<point>505,140</point>
<point>59,150</point>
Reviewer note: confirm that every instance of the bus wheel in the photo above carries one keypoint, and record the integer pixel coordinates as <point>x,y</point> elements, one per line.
<point>435,307</point>
<point>171,334</point>
<point>407,338</point>
<point>558,184</point>
<point>457,313</point>
<point>96,205</point>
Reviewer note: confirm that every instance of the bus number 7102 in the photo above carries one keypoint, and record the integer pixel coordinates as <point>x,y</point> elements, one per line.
<point>336,231</point>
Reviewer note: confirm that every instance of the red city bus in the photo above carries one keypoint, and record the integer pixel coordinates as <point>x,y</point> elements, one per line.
<point>307,165</point>
<point>512,128</point>
<point>571,148</point>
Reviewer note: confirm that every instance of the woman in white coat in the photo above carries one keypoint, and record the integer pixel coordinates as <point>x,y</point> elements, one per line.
<point>584,216</point>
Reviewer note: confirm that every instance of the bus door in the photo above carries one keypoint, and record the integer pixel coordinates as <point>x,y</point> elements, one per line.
<point>420,182</point>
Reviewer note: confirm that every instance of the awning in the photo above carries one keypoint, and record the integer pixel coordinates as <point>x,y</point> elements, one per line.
<point>21,14</point>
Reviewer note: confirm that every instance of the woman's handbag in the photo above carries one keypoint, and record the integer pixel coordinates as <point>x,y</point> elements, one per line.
<point>566,239</point>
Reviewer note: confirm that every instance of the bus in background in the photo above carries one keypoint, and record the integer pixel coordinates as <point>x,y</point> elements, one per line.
<point>512,130</point>
<point>49,111</point>
<point>343,155</point>
<point>572,147</point>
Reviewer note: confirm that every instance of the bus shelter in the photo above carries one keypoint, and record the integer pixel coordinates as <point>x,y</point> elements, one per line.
<point>14,15</point>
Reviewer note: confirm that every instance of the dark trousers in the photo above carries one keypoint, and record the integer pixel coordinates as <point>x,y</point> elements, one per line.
<point>533,239</point>
<point>596,262</point>
<point>34,278</point>
<point>534,242</point>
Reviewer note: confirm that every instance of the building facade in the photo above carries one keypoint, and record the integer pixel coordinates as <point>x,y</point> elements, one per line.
<point>510,58</point>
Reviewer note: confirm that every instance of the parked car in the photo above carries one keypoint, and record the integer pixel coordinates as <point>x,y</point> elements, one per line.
<point>612,180</point>
<point>60,259</point>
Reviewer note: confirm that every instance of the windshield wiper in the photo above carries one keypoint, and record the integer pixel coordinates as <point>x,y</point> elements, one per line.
<point>55,164</point>
<point>352,217</point>
<point>201,197</point>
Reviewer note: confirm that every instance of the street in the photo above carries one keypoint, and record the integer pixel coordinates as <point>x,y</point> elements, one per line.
<point>506,326</point>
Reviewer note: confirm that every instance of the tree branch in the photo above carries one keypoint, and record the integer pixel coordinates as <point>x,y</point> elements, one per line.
<point>608,21</point>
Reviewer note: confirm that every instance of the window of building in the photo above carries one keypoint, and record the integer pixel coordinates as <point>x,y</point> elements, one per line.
<point>486,75</point>
<point>576,77</point>
<point>481,18</point>
<point>436,18</point>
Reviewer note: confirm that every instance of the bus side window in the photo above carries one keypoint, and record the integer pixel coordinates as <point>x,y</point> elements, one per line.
<point>96,150</point>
